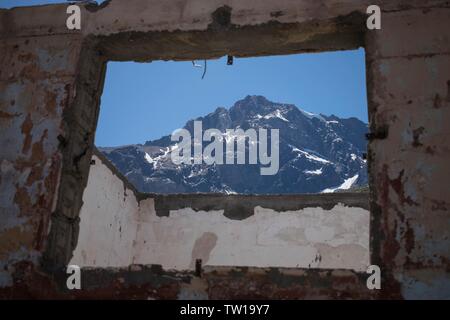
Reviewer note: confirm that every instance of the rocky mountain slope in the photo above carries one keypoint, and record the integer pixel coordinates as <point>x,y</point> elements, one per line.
<point>317,153</point>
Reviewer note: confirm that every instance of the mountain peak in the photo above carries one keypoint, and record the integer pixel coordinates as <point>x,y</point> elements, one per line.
<point>314,155</point>
<point>250,106</point>
<point>221,110</point>
<point>253,101</point>
<point>256,99</point>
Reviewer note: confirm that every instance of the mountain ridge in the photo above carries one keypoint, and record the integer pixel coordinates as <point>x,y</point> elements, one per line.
<point>317,153</point>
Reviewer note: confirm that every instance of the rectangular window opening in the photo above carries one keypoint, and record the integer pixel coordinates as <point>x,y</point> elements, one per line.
<point>283,136</point>
<point>317,102</point>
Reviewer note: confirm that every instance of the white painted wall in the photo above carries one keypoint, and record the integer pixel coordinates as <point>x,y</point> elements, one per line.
<point>117,231</point>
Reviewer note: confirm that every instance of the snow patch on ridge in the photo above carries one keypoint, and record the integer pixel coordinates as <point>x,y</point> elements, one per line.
<point>345,186</point>
<point>275,114</point>
<point>314,172</point>
<point>309,155</point>
<point>311,115</point>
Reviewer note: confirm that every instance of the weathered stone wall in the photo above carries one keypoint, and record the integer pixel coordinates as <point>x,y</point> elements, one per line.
<point>51,81</point>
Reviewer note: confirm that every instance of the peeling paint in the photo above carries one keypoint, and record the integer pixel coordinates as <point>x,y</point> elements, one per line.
<point>125,231</point>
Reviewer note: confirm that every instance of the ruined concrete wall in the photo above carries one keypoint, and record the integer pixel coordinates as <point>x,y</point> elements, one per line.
<point>49,91</point>
<point>51,79</point>
<point>37,84</point>
<point>116,231</point>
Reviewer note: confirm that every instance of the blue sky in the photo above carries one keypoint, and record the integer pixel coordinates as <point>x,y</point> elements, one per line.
<point>144,101</point>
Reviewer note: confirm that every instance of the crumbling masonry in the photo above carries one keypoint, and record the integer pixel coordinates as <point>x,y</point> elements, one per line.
<point>51,81</point>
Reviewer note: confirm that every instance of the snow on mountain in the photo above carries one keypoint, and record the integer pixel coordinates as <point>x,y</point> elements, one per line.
<point>348,183</point>
<point>309,156</point>
<point>317,171</point>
